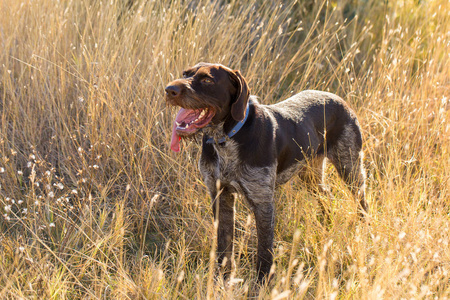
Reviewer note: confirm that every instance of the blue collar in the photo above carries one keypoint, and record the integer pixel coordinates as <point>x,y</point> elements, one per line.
<point>233,131</point>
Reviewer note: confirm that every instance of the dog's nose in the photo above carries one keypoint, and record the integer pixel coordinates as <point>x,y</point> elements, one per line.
<point>173,90</point>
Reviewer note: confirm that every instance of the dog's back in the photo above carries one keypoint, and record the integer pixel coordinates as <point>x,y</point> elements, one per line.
<point>308,125</point>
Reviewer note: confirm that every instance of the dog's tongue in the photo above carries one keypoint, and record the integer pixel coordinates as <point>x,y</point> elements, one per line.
<point>184,115</point>
<point>175,142</point>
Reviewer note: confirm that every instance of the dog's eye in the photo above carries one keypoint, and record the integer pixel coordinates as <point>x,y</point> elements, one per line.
<point>207,80</point>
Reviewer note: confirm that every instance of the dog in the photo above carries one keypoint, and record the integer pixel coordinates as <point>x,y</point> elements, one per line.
<point>250,148</point>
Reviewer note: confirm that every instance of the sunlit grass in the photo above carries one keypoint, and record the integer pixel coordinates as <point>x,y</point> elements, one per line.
<point>94,204</point>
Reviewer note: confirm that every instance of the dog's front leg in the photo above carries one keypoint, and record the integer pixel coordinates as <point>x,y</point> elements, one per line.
<point>223,210</point>
<point>265,222</point>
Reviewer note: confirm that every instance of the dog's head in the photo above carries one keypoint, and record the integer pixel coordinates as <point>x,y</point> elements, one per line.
<point>208,94</point>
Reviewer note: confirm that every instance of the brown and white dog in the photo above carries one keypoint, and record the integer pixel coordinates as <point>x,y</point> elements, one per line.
<point>250,148</point>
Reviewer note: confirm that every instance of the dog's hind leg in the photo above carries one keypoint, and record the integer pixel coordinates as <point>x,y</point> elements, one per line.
<point>347,156</point>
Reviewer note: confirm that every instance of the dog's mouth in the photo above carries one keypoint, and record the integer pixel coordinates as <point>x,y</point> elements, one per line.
<point>187,122</point>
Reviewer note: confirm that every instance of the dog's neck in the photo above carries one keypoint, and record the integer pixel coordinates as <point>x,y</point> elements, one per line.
<point>220,133</point>
<point>215,132</point>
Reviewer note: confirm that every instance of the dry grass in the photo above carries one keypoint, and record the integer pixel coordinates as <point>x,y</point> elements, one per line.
<point>94,205</point>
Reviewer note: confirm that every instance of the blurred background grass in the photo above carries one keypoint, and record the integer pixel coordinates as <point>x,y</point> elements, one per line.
<point>94,205</point>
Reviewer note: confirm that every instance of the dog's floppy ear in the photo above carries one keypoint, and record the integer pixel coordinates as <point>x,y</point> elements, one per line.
<point>239,105</point>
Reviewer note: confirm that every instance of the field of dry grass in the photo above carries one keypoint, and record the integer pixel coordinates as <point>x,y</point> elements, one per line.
<point>95,206</point>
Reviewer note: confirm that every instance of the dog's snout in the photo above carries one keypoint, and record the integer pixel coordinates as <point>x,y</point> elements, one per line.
<point>173,90</point>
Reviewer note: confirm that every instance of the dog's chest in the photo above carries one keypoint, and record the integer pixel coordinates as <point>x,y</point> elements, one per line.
<point>225,167</point>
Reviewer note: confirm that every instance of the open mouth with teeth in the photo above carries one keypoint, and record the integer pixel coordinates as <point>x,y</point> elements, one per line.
<point>188,122</point>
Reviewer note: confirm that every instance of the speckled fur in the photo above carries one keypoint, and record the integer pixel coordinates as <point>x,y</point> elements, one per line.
<point>257,184</point>
<point>277,142</point>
